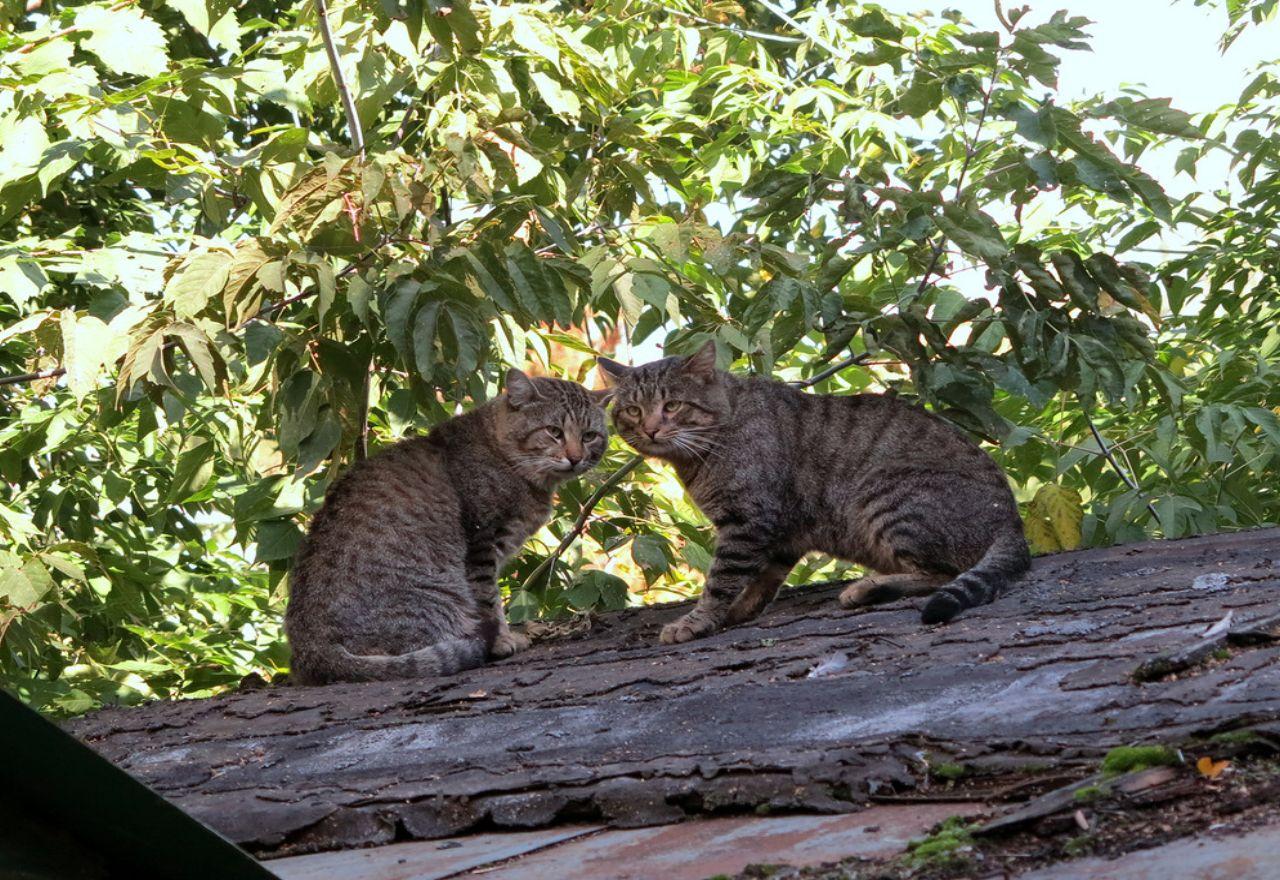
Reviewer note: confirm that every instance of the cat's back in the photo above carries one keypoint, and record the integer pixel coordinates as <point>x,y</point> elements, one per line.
<point>399,478</point>
<point>889,431</point>
<point>857,429</point>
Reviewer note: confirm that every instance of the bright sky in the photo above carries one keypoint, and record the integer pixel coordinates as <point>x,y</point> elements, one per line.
<point>1168,47</point>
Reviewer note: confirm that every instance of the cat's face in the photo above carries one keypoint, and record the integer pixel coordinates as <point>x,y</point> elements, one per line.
<point>552,430</point>
<point>672,407</point>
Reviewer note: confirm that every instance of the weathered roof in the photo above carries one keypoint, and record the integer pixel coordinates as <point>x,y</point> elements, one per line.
<point>607,727</point>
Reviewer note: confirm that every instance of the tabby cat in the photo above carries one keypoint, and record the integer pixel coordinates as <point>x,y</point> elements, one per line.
<point>865,478</point>
<point>398,576</point>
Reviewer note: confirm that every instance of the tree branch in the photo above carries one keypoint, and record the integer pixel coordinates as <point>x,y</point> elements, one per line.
<point>32,377</point>
<point>340,81</point>
<point>832,370</point>
<point>970,151</point>
<point>580,524</point>
<point>1115,465</point>
<point>809,32</point>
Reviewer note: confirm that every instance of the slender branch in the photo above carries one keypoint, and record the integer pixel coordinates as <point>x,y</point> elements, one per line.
<point>362,438</point>
<point>32,377</point>
<point>745,32</point>
<point>832,370</point>
<point>580,524</point>
<point>405,124</point>
<point>1002,18</point>
<point>970,151</point>
<point>340,81</point>
<point>1106,453</point>
<point>809,32</point>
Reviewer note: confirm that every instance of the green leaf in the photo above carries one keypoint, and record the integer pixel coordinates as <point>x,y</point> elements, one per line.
<point>22,280</point>
<point>583,595</point>
<point>424,339</point>
<point>650,553</point>
<point>470,340</point>
<point>973,231</point>
<point>313,450</point>
<point>277,540</point>
<point>23,583</point>
<point>1036,126</point>
<point>562,101</point>
<point>207,362</point>
<point>1077,282</point>
<point>298,402</point>
<point>88,345</point>
<point>261,339</point>
<point>202,276</point>
<point>192,473</point>
<point>125,40</point>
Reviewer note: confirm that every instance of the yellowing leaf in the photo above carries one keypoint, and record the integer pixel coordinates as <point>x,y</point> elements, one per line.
<point>125,40</point>
<point>1053,519</point>
<point>1211,769</point>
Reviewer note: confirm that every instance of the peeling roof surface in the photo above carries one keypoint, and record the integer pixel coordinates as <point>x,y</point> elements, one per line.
<point>607,728</point>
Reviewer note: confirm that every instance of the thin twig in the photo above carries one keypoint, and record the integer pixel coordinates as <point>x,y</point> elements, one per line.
<point>32,377</point>
<point>1002,18</point>
<point>832,370</point>
<point>970,151</point>
<point>580,524</point>
<point>362,436</point>
<point>1106,453</point>
<point>745,32</point>
<point>340,81</point>
<point>807,31</point>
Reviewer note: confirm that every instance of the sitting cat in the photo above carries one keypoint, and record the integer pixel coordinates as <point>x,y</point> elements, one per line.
<point>865,478</point>
<point>398,576</point>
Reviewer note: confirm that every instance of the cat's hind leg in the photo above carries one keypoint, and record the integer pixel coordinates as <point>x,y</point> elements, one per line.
<point>756,596</point>
<point>878,589</point>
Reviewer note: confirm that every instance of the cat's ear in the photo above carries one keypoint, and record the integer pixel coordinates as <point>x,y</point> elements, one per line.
<point>702,363</point>
<point>612,370</point>
<point>520,389</point>
<point>601,396</point>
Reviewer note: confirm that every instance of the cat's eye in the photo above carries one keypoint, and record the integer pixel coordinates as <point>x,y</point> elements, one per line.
<point>555,432</point>
<point>590,437</point>
<point>672,406</point>
<point>632,412</point>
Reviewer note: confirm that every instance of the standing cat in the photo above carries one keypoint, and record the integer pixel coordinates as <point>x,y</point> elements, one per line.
<point>398,576</point>
<point>865,478</point>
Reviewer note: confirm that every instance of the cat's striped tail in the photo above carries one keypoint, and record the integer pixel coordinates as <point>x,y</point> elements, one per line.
<point>443,658</point>
<point>1006,560</point>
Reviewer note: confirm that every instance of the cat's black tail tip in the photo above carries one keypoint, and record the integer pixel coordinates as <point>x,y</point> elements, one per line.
<point>940,608</point>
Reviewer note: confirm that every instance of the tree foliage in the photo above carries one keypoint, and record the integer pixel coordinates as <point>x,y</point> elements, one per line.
<point>213,304</point>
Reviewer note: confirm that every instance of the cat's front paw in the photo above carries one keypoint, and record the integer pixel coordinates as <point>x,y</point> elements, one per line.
<point>692,626</point>
<point>864,592</point>
<point>508,643</point>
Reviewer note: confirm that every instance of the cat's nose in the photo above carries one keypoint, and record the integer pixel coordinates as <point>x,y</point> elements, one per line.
<point>653,435</point>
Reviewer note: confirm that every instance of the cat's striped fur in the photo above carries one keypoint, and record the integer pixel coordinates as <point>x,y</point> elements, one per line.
<point>398,576</point>
<point>865,478</point>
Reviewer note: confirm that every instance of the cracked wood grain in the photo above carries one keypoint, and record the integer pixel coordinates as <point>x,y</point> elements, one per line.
<point>606,726</point>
